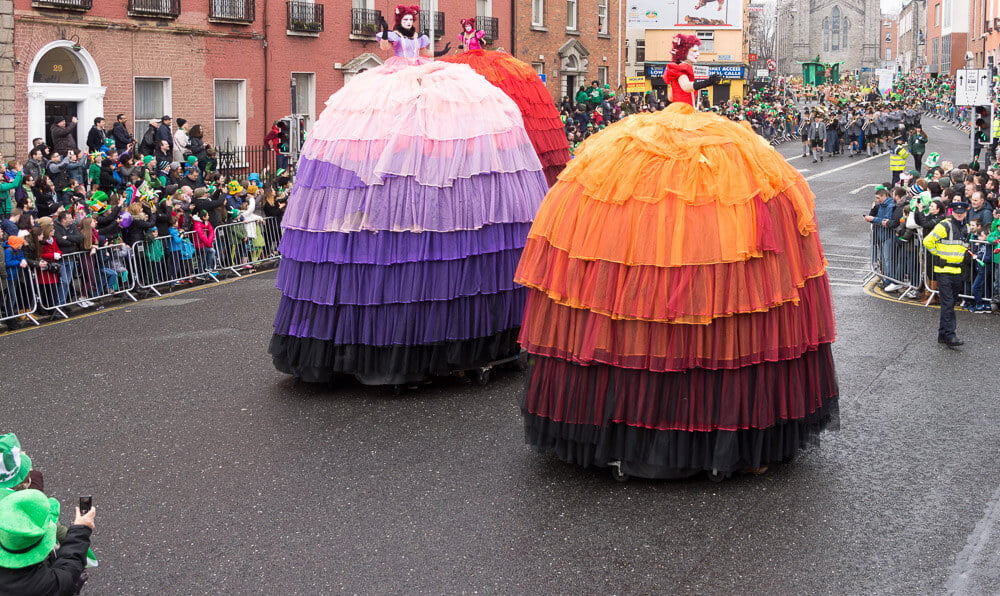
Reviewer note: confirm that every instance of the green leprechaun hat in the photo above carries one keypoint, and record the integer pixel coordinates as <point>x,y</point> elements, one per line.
<point>28,522</point>
<point>14,465</point>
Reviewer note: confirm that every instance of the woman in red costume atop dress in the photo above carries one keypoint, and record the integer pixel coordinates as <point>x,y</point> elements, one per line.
<point>680,72</point>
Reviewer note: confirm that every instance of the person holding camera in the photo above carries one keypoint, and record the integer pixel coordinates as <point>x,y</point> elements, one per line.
<point>31,563</point>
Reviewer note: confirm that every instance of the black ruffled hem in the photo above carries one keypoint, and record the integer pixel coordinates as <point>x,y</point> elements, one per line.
<point>663,454</point>
<point>317,361</point>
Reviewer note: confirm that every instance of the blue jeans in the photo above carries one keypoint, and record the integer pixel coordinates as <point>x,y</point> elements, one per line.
<point>65,281</point>
<point>981,281</point>
<point>206,258</point>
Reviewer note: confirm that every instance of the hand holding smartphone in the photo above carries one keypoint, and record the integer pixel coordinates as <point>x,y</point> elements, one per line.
<point>85,503</point>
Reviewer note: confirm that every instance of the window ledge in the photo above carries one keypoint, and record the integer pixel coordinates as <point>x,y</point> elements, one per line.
<point>356,37</point>
<point>291,33</point>
<point>603,36</point>
<point>573,32</point>
<point>540,28</point>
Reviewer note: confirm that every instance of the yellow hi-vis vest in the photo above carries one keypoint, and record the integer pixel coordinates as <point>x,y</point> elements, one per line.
<point>897,159</point>
<point>948,247</point>
<point>996,129</point>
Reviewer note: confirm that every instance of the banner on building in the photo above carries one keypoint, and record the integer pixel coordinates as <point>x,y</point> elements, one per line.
<point>637,84</point>
<point>684,14</point>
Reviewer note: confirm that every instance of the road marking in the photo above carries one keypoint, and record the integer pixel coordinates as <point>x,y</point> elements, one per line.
<point>843,167</point>
<point>861,188</point>
<point>800,170</point>
<point>968,562</point>
<point>937,127</point>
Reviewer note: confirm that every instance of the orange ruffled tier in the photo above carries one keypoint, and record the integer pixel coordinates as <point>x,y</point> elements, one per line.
<point>676,240</point>
<point>541,118</point>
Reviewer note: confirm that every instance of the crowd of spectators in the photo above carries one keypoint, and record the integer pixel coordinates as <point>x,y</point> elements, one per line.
<point>163,192</point>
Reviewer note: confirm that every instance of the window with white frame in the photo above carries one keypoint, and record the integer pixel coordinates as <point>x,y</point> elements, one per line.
<point>640,51</point>
<point>571,15</point>
<point>230,112</point>
<point>602,17</point>
<point>602,75</point>
<point>305,96</point>
<point>888,53</point>
<point>538,13</point>
<point>484,8</point>
<point>707,41</point>
<point>151,100</point>
<point>539,67</point>
<point>947,13</point>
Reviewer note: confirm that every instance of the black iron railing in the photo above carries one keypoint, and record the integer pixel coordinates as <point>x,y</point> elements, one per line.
<point>425,23</point>
<point>491,27</point>
<point>161,9</point>
<point>63,4</point>
<point>232,11</point>
<point>305,17</point>
<point>364,21</point>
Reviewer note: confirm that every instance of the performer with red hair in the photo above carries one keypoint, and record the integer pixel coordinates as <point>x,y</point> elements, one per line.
<point>680,71</point>
<point>470,37</point>
<point>679,312</point>
<point>520,81</point>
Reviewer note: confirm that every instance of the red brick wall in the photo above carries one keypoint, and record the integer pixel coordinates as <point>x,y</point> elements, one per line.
<point>531,43</point>
<point>193,52</point>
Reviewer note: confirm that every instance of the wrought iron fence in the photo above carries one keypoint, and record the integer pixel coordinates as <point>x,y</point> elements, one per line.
<point>305,17</point>
<point>425,28</point>
<point>364,21</point>
<point>232,11</point>
<point>164,9</point>
<point>63,4</point>
<point>240,161</point>
<point>491,27</point>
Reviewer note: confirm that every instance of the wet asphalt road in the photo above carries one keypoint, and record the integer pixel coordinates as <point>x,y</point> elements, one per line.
<point>214,474</point>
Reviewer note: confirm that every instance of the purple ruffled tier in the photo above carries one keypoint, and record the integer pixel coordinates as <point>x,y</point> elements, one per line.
<point>432,162</point>
<point>411,324</point>
<point>389,248</point>
<point>366,285</point>
<point>402,204</point>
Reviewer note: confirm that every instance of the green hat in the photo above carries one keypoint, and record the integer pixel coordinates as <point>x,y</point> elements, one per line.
<point>192,160</point>
<point>14,465</point>
<point>28,522</point>
<point>933,159</point>
<point>146,159</point>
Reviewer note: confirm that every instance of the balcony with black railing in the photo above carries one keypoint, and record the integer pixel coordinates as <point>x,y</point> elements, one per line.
<point>425,23</point>
<point>241,12</point>
<point>491,27</point>
<point>364,22</point>
<point>80,5</point>
<point>155,9</point>
<point>305,17</point>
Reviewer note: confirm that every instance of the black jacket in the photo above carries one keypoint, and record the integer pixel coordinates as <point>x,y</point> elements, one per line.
<point>63,137</point>
<point>122,136</point>
<point>95,138</point>
<point>56,575</point>
<point>68,238</point>
<point>212,206</point>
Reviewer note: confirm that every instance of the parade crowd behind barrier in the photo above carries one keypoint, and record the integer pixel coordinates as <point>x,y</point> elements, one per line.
<point>127,219</point>
<point>777,111</point>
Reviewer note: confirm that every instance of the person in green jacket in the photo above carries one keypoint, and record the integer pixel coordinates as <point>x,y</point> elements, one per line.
<point>582,97</point>
<point>6,189</point>
<point>917,145</point>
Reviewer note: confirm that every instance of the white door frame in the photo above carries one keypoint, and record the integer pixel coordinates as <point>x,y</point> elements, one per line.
<point>89,96</point>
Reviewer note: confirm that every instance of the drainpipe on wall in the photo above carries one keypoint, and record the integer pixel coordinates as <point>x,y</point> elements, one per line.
<point>513,19</point>
<point>267,81</point>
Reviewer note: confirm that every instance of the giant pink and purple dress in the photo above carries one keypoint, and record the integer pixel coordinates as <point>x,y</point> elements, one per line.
<point>412,201</point>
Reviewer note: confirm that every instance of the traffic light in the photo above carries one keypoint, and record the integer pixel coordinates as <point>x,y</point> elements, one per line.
<point>984,123</point>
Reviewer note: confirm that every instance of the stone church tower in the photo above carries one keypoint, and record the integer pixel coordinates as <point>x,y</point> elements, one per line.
<point>835,30</point>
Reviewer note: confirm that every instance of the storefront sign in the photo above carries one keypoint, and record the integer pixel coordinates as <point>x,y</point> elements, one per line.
<point>637,84</point>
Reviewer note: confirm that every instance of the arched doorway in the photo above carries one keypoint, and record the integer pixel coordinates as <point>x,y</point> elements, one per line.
<point>63,82</point>
<point>573,65</point>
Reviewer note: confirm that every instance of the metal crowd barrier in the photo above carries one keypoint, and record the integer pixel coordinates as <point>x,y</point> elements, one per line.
<point>19,297</point>
<point>237,248</point>
<point>906,262</point>
<point>990,277</point>
<point>898,258</point>
<point>122,270</point>
<point>92,275</point>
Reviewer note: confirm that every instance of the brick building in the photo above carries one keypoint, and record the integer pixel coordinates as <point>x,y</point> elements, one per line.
<point>984,33</point>
<point>570,42</point>
<point>230,65</point>
<point>947,27</point>
<point>888,38</point>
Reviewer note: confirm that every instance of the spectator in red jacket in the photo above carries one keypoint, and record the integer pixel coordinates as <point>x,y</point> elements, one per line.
<point>49,256</point>
<point>204,239</point>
